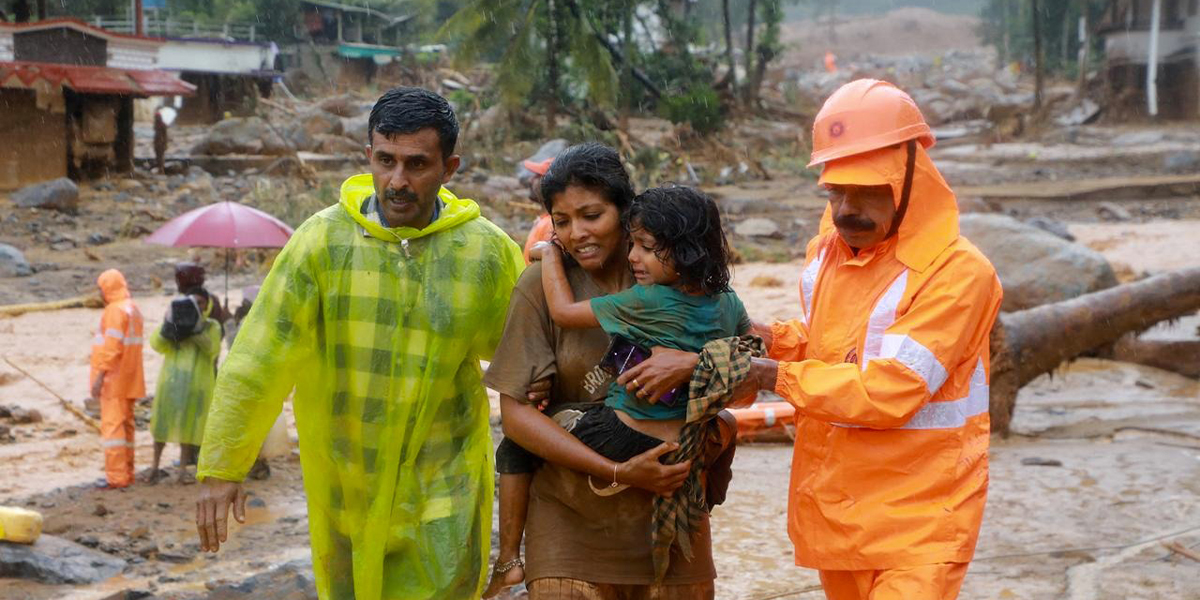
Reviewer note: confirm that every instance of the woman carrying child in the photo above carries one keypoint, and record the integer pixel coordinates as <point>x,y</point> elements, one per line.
<point>586,536</point>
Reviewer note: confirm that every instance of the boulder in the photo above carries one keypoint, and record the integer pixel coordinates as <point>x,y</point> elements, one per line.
<point>54,560</point>
<point>1053,226</point>
<point>290,581</point>
<point>299,138</point>
<point>59,194</point>
<point>318,122</point>
<point>251,135</point>
<point>1111,211</point>
<point>1035,266</point>
<point>355,128</point>
<point>757,227</point>
<point>548,150</point>
<point>13,263</point>
<point>345,106</point>
<point>339,145</point>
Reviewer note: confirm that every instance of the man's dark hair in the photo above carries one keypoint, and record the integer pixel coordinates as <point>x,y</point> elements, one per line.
<point>686,226</point>
<point>411,109</point>
<point>593,166</point>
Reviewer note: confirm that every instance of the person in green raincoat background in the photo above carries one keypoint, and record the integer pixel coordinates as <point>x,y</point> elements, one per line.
<point>377,313</point>
<point>185,386</point>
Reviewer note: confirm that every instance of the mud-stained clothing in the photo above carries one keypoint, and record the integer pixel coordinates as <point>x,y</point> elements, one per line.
<point>571,532</point>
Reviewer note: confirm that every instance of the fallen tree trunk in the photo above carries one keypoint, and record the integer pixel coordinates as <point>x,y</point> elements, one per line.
<point>88,301</point>
<point>1181,357</point>
<point>1031,342</point>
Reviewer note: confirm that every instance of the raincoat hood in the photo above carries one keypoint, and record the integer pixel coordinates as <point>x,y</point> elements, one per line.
<point>358,188</point>
<point>930,224</point>
<point>112,286</point>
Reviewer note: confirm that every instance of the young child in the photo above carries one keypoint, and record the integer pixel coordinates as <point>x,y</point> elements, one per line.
<point>680,260</point>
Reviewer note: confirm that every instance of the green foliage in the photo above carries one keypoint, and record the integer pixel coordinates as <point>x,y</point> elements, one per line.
<point>699,107</point>
<point>1008,25</point>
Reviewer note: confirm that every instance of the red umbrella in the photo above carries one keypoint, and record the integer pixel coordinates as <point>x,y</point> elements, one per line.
<point>223,225</point>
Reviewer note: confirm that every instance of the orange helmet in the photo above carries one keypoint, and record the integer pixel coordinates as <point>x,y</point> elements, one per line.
<point>865,115</point>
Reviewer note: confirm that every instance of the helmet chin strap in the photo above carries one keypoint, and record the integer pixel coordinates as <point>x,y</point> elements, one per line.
<point>910,163</point>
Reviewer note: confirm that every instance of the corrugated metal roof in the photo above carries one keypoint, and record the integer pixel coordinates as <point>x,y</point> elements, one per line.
<point>94,80</point>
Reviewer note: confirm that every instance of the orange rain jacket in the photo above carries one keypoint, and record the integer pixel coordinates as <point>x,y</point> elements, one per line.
<point>117,346</point>
<point>542,231</point>
<point>887,367</point>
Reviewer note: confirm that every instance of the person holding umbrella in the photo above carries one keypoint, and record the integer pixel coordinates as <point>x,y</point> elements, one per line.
<point>377,313</point>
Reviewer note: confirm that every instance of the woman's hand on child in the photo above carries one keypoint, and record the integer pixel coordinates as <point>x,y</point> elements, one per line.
<point>645,472</point>
<point>538,393</point>
<point>665,370</point>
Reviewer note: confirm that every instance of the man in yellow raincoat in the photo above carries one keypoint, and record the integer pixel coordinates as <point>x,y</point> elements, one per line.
<point>887,364</point>
<point>377,312</point>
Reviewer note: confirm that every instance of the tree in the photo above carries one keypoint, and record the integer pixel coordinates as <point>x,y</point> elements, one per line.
<point>530,33</point>
<point>767,48</point>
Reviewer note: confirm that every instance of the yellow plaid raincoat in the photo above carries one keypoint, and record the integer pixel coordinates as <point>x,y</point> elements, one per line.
<point>380,331</point>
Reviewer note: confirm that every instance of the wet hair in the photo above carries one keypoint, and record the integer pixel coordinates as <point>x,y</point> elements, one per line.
<point>593,166</point>
<point>410,109</point>
<point>686,226</point>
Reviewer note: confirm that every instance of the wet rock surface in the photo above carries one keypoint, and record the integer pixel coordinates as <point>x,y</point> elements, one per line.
<point>291,581</point>
<point>13,263</point>
<point>58,194</point>
<point>55,560</point>
<point>1035,266</point>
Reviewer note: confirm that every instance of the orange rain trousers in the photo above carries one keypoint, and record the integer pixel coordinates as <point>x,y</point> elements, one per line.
<point>116,433</point>
<point>927,582</point>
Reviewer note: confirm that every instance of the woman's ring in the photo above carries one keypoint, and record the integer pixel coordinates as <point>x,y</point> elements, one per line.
<point>636,383</point>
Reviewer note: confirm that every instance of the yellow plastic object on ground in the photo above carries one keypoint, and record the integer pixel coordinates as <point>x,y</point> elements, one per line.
<point>20,525</point>
<point>185,384</point>
<point>380,331</point>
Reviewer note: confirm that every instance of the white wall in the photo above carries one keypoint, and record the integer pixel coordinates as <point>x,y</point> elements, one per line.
<point>215,57</point>
<point>6,46</point>
<point>132,56</point>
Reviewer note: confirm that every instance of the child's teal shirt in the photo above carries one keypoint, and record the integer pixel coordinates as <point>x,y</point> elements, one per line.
<point>660,315</point>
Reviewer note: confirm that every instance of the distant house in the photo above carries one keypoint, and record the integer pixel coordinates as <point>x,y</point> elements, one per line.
<point>229,75</point>
<point>230,64</point>
<point>1126,31</point>
<point>345,44</point>
<point>67,92</point>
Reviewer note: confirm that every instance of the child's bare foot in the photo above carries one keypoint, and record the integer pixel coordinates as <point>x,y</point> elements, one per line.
<point>505,574</point>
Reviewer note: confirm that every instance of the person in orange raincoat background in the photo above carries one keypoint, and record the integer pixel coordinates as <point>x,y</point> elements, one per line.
<point>543,228</point>
<point>116,376</point>
<point>887,363</point>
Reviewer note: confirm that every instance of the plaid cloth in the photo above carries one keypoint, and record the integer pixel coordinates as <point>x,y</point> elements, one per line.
<point>723,365</point>
<point>381,337</point>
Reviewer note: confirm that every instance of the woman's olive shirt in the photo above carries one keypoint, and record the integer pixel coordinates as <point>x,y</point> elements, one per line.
<point>571,532</point>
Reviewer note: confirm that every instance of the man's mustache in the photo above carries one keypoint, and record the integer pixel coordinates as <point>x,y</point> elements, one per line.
<point>402,195</point>
<point>854,223</point>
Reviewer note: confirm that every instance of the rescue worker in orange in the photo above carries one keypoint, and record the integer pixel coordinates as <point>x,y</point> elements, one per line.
<point>542,229</point>
<point>887,363</point>
<point>116,377</point>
